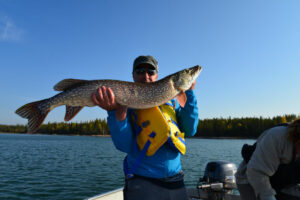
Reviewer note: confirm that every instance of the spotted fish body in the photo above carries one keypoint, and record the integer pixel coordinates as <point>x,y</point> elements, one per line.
<point>77,93</point>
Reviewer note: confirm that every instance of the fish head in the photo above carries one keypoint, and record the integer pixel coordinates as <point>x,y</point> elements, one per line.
<point>183,80</point>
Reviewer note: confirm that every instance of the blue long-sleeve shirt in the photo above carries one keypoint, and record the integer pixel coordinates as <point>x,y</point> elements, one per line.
<point>166,161</point>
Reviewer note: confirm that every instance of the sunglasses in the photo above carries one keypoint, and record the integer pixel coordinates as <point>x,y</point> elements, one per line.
<point>142,70</point>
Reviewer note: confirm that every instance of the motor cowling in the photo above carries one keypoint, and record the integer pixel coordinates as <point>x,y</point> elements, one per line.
<point>220,172</point>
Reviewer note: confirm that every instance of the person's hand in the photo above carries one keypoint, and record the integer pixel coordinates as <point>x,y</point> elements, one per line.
<point>105,99</point>
<point>193,85</point>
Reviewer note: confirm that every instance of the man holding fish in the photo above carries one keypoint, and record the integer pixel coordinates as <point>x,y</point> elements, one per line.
<point>153,138</point>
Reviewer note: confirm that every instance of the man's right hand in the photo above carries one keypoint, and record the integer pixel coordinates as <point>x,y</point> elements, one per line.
<point>105,99</point>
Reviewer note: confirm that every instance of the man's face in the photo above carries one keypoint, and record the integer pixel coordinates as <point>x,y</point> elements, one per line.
<point>145,73</point>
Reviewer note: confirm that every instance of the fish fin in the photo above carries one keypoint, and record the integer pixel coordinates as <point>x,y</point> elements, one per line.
<point>68,83</point>
<point>34,113</point>
<point>182,99</point>
<point>71,111</point>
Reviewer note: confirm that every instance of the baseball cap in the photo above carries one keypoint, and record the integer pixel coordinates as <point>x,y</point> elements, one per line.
<point>145,60</point>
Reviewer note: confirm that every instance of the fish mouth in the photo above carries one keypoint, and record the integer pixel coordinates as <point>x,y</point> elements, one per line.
<point>195,71</point>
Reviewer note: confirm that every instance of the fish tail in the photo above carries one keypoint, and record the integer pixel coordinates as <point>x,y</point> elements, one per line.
<point>35,112</point>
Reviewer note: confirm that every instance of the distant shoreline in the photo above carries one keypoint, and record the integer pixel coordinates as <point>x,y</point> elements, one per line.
<point>216,128</point>
<point>195,137</point>
<point>55,134</point>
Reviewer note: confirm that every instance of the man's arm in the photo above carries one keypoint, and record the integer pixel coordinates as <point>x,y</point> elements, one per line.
<point>188,116</point>
<point>121,132</point>
<point>265,161</point>
<point>118,121</point>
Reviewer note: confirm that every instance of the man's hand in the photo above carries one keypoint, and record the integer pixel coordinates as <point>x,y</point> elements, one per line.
<point>105,99</point>
<point>193,85</point>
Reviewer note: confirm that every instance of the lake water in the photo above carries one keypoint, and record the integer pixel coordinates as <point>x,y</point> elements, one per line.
<point>77,167</point>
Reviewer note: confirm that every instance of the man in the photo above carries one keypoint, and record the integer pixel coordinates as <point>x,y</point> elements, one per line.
<point>272,171</point>
<point>152,138</point>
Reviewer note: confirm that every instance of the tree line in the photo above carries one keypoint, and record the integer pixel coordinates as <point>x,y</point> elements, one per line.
<point>94,127</point>
<point>249,127</point>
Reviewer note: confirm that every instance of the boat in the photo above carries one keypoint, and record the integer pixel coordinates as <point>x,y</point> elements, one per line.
<point>116,194</point>
<point>217,183</point>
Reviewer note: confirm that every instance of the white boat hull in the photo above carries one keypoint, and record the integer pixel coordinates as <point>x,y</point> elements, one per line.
<point>194,194</point>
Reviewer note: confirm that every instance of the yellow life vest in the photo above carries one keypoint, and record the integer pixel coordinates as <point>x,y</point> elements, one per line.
<point>156,126</point>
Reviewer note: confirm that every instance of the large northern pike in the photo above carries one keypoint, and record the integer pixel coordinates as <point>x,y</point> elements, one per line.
<point>77,93</point>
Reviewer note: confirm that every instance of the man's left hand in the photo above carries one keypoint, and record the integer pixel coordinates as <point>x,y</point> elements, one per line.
<point>193,85</point>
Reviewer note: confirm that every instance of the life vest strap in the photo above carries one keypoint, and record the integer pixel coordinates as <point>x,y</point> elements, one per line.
<point>130,172</point>
<point>174,123</point>
<point>181,140</point>
<point>169,104</point>
<point>138,129</point>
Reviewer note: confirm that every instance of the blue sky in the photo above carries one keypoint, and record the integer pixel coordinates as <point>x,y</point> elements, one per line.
<point>249,50</point>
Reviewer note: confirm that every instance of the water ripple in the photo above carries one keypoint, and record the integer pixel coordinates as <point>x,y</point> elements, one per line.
<point>76,167</point>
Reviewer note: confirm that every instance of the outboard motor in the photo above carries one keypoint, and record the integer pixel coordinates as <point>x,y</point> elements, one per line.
<point>218,180</point>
